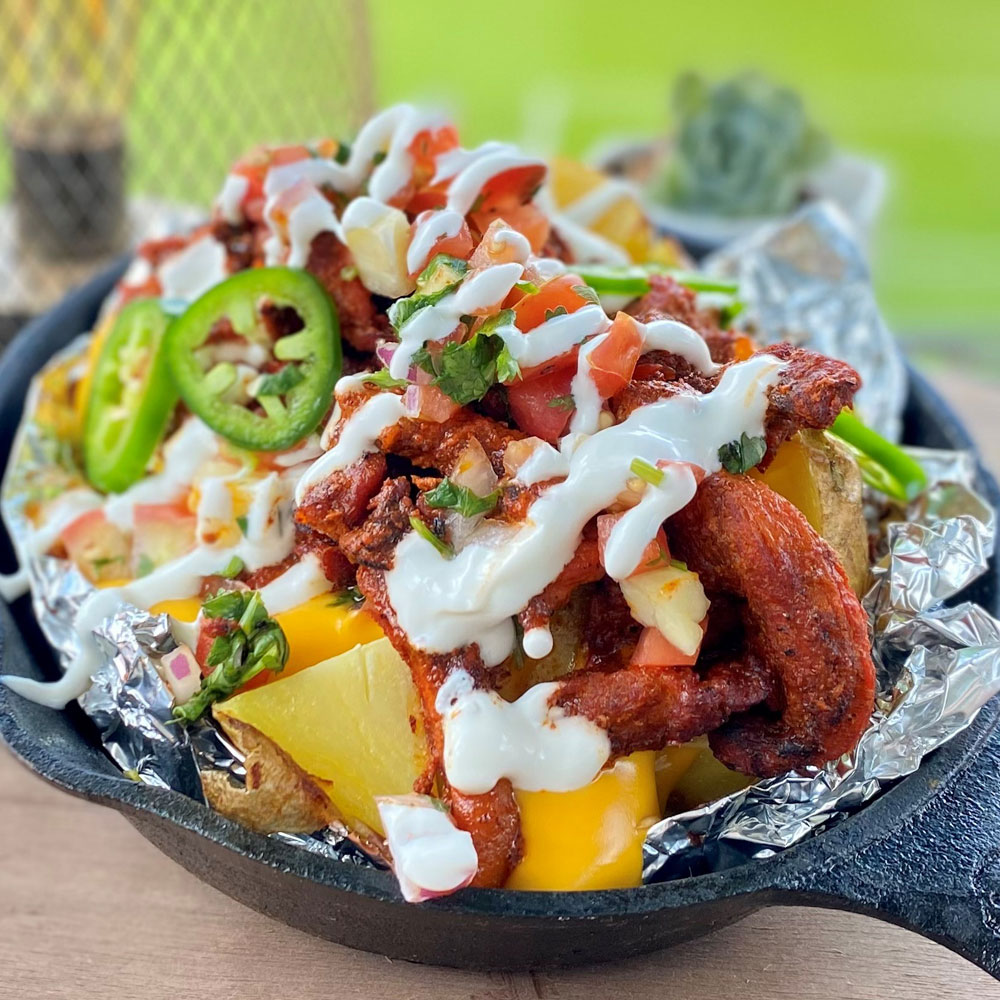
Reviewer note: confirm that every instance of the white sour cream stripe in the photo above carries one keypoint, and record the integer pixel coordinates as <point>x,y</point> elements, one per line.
<point>434,323</point>
<point>443,604</point>
<point>391,134</point>
<point>436,226</point>
<point>357,438</point>
<point>269,538</point>
<point>189,273</point>
<point>537,747</point>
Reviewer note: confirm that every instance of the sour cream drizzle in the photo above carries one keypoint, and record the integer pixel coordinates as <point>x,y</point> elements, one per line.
<point>357,438</point>
<point>443,604</point>
<point>436,322</point>
<point>435,227</point>
<point>537,747</point>
<point>269,539</point>
<point>191,272</point>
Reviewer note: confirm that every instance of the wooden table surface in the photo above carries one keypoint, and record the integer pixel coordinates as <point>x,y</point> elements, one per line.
<point>89,909</point>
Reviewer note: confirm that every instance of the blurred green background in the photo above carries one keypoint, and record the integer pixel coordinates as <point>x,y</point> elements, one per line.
<point>914,84</point>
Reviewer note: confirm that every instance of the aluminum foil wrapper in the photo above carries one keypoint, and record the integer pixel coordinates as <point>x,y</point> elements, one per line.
<point>128,701</point>
<point>806,280</point>
<point>937,664</point>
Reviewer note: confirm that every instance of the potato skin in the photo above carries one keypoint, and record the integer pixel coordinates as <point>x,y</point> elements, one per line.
<point>279,796</point>
<point>820,477</point>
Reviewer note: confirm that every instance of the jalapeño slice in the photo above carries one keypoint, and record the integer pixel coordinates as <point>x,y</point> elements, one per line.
<point>278,389</point>
<point>131,398</point>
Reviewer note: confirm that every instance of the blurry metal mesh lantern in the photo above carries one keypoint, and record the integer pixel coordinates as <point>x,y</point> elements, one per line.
<point>121,117</point>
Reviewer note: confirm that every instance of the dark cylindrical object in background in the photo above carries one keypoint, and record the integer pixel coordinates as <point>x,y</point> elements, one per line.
<point>69,185</point>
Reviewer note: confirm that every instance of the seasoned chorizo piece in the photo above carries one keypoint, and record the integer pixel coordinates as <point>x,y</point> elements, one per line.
<point>374,542</point>
<point>801,619</point>
<point>340,502</point>
<point>646,708</point>
<point>492,819</point>
<point>667,299</point>
<point>811,390</point>
<point>361,323</point>
<point>438,446</point>
<point>584,567</point>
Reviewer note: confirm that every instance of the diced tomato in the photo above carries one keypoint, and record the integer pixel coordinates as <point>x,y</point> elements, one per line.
<point>97,546</point>
<point>416,194</point>
<point>510,188</point>
<point>254,168</point>
<point>494,248</point>
<point>459,245</point>
<point>149,289</point>
<point>743,348</point>
<point>163,532</point>
<point>696,470</point>
<point>613,360</point>
<point>654,650</point>
<point>655,554</point>
<point>542,406</point>
<point>432,404</point>
<point>426,147</point>
<point>427,199</point>
<point>529,220</point>
<point>556,294</point>
<point>288,199</point>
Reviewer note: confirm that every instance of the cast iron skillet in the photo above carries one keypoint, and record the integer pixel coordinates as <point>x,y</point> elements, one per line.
<point>926,855</point>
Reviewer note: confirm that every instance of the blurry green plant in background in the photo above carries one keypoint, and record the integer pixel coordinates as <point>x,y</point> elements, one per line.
<point>913,84</point>
<point>742,146</point>
<point>905,81</point>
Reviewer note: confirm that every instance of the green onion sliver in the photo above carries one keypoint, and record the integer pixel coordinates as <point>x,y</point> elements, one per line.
<point>425,533</point>
<point>650,473</point>
<point>704,283</point>
<point>616,280</point>
<point>883,465</point>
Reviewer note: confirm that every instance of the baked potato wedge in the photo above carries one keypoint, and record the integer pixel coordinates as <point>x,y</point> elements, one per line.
<point>352,722</point>
<point>278,795</point>
<point>820,476</point>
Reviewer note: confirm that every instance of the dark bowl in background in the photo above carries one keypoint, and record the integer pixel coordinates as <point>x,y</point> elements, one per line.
<point>925,855</point>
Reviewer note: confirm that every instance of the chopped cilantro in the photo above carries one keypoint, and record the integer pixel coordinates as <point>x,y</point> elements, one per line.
<point>343,153</point>
<point>383,380</point>
<point>508,370</point>
<point>565,403</point>
<point>241,521</point>
<point>455,497</point>
<point>558,311</point>
<point>740,456</point>
<point>227,604</point>
<point>588,293</point>
<point>466,371</point>
<point>351,596</point>
<point>402,310</point>
<point>233,568</point>
<point>279,382</point>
